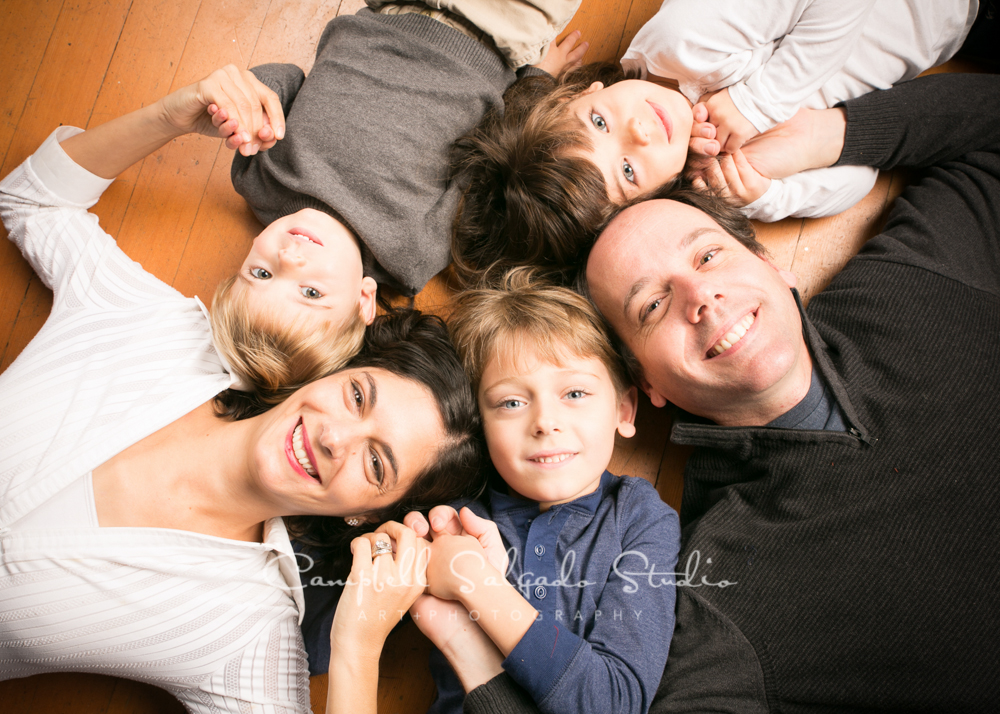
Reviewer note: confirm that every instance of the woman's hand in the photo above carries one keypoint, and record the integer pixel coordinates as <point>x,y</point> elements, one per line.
<point>379,591</point>
<point>564,56</point>
<point>230,103</point>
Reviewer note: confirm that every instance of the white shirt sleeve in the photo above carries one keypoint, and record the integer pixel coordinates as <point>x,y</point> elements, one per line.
<point>771,55</point>
<point>44,203</point>
<point>813,194</point>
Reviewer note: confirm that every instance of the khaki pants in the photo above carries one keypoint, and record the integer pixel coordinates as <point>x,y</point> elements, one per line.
<point>520,29</point>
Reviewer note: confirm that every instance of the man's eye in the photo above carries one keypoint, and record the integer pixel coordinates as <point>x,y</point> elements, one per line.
<point>707,257</point>
<point>377,467</point>
<point>260,274</point>
<point>628,171</point>
<point>649,308</point>
<point>599,122</point>
<point>311,293</point>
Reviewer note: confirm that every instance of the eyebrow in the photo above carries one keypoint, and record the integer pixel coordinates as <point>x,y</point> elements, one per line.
<point>389,455</point>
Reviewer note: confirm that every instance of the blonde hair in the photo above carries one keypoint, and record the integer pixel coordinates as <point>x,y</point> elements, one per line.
<point>500,319</point>
<point>272,358</point>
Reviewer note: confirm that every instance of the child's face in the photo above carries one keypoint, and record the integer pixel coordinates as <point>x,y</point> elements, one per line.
<point>550,428</point>
<point>639,131</point>
<point>306,267</point>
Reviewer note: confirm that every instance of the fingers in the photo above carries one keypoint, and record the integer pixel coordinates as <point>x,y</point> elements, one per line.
<point>445,520</point>
<point>361,551</point>
<point>488,535</point>
<point>700,112</point>
<point>416,521</point>
<point>705,147</point>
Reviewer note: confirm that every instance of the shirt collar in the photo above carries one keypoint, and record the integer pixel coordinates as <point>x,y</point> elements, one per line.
<point>502,502</point>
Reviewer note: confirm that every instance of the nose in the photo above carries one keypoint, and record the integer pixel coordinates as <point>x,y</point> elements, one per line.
<point>637,132</point>
<point>545,421</point>
<point>290,257</point>
<point>701,296</point>
<point>338,441</point>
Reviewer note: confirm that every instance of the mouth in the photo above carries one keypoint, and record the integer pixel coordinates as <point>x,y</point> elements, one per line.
<point>305,235</point>
<point>664,118</point>
<point>551,458</point>
<point>299,452</point>
<point>736,333</point>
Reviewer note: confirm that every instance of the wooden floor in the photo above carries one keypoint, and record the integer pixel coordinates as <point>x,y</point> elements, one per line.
<point>82,62</point>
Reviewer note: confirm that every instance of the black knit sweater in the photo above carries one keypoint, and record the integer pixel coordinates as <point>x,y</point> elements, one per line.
<point>864,562</point>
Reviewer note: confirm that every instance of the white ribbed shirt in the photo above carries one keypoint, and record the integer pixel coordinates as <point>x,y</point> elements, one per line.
<point>211,620</point>
<point>780,55</point>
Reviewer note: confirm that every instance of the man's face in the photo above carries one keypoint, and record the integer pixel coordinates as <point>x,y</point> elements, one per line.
<point>715,327</point>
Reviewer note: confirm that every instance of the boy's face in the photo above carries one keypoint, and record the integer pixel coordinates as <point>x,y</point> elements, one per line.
<point>640,133</point>
<point>550,427</point>
<point>305,267</point>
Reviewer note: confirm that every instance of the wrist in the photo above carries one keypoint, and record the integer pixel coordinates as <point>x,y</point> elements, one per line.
<point>829,131</point>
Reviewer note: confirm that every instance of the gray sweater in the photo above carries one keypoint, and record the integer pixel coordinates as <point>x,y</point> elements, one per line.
<point>368,137</point>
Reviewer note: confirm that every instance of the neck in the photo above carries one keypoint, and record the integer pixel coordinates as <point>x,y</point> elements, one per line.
<point>193,475</point>
<point>770,404</point>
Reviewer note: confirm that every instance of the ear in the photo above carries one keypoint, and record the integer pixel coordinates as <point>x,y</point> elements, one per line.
<point>627,408</point>
<point>367,303</point>
<point>595,87</point>
<point>658,400</point>
<point>786,275</point>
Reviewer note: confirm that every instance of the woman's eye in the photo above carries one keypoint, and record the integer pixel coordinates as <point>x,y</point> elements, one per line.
<point>359,396</point>
<point>260,274</point>
<point>377,468</point>
<point>707,257</point>
<point>599,122</point>
<point>628,171</point>
<point>311,293</point>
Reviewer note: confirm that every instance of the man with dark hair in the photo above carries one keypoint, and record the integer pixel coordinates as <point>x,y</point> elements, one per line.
<point>838,511</point>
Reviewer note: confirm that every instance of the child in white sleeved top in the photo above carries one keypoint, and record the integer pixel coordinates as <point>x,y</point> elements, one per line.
<point>764,61</point>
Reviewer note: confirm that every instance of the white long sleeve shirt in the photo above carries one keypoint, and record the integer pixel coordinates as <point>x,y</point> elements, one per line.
<point>211,620</point>
<point>780,55</point>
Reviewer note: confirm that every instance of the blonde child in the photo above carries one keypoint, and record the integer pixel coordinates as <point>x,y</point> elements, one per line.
<point>589,590</point>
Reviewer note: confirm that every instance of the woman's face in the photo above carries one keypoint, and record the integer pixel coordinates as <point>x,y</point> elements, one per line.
<point>347,444</point>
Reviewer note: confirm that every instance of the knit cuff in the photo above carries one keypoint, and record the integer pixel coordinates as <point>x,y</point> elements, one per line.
<point>500,695</point>
<point>868,139</point>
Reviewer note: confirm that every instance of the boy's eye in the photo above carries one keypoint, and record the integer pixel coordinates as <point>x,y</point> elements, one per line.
<point>599,122</point>
<point>260,274</point>
<point>628,171</point>
<point>576,394</point>
<point>311,293</point>
<point>511,403</point>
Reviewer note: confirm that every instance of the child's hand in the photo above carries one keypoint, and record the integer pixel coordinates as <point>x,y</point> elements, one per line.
<point>458,566</point>
<point>733,178</point>
<point>564,56</point>
<point>444,520</point>
<point>229,103</point>
<point>702,141</point>
<point>732,128</point>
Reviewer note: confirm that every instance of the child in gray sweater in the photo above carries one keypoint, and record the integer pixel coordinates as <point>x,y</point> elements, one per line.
<point>369,131</point>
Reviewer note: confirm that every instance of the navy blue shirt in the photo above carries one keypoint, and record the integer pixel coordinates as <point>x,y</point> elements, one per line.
<point>600,572</point>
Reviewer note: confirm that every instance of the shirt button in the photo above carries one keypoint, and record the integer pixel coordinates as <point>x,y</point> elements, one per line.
<point>528,522</point>
<point>539,550</point>
<point>540,592</point>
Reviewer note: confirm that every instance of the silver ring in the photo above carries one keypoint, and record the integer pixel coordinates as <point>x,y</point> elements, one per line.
<point>381,548</point>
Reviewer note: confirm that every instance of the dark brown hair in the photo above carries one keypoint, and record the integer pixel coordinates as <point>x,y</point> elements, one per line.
<point>528,201</point>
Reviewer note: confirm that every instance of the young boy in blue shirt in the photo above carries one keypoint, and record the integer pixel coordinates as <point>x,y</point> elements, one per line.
<point>584,617</point>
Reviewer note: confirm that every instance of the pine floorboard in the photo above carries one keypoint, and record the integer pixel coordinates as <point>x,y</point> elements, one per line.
<point>82,62</point>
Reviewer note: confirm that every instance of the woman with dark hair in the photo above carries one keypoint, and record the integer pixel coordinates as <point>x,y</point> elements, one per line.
<point>141,500</point>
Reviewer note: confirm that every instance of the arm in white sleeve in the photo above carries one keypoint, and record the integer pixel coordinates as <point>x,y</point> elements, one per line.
<point>44,202</point>
<point>772,55</point>
<point>812,194</point>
